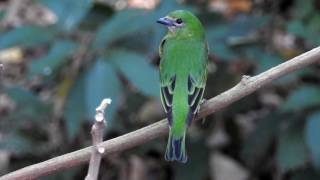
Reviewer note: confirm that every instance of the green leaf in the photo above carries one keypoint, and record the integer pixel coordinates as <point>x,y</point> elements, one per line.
<point>303,8</point>
<point>122,24</point>
<point>314,25</point>
<point>312,134</point>
<point>135,22</point>
<point>306,174</point>
<point>298,28</point>
<point>98,82</point>
<point>293,76</point>
<point>263,59</point>
<point>26,36</point>
<point>291,152</point>
<point>138,71</point>
<point>198,160</point>
<point>101,82</point>
<point>2,15</point>
<point>16,144</point>
<point>57,55</point>
<point>220,35</point>
<point>70,12</point>
<point>217,43</point>
<point>256,146</point>
<point>28,106</point>
<point>75,108</point>
<point>301,98</point>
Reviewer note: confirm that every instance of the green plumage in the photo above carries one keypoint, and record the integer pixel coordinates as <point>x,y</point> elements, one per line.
<point>183,74</point>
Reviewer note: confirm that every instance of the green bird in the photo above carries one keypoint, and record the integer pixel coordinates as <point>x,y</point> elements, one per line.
<point>183,75</point>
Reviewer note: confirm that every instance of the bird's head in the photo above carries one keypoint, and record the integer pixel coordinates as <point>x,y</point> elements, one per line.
<point>182,24</point>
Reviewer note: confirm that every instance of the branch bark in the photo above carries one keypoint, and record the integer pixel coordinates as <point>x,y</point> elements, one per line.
<point>97,138</point>
<point>245,87</point>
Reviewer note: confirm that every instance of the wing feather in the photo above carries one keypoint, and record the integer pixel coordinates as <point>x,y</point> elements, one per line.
<point>195,94</point>
<point>167,97</point>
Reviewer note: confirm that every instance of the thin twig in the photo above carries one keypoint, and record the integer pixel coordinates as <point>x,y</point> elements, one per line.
<point>97,137</point>
<point>148,133</point>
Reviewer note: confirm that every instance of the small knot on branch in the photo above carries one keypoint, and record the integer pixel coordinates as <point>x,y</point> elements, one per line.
<point>245,79</point>
<point>101,150</point>
<point>99,117</point>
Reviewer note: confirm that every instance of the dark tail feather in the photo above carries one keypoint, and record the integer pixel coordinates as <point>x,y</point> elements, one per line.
<point>176,149</point>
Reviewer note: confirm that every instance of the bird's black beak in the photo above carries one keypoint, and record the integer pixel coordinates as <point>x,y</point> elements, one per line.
<point>166,21</point>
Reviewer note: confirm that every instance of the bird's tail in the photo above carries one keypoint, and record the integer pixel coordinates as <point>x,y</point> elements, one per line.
<point>176,150</point>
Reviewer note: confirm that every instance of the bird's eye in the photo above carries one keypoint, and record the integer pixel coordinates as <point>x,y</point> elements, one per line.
<point>179,21</point>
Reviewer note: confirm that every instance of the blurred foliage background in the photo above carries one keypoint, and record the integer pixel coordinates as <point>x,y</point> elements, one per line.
<point>60,58</point>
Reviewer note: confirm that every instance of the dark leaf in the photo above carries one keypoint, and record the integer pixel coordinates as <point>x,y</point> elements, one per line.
<point>70,12</point>
<point>196,167</point>
<point>122,24</point>
<point>75,107</point>
<point>56,56</point>
<point>303,97</point>
<point>291,152</point>
<point>98,82</point>
<point>263,59</point>
<point>299,29</point>
<point>101,81</point>
<point>256,146</point>
<point>220,36</point>
<point>16,144</point>
<point>312,135</point>
<point>28,106</point>
<point>306,174</point>
<point>26,36</point>
<point>138,71</point>
<point>303,8</point>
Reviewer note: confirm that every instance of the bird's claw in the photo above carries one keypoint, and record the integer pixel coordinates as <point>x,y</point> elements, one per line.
<point>203,101</point>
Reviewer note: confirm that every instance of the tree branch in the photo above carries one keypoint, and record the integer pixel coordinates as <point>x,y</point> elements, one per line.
<point>246,86</point>
<point>97,138</point>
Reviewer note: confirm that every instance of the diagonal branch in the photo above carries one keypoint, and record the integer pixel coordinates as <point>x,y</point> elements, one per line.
<point>247,86</point>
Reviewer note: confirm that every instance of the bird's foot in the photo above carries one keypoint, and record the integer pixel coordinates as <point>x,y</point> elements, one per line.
<point>203,101</point>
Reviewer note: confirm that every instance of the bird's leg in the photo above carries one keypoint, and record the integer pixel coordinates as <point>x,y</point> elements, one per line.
<point>202,101</point>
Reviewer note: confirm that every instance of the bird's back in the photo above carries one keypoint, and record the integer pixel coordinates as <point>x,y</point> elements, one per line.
<point>182,59</point>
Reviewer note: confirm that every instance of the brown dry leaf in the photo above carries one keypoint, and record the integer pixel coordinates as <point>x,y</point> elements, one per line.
<point>11,55</point>
<point>230,7</point>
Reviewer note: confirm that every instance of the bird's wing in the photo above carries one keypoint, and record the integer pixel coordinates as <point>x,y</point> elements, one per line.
<point>167,80</point>
<point>161,46</point>
<point>166,91</point>
<point>195,93</point>
<point>197,82</point>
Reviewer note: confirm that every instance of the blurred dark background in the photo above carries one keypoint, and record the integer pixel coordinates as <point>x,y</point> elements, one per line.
<point>60,58</point>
